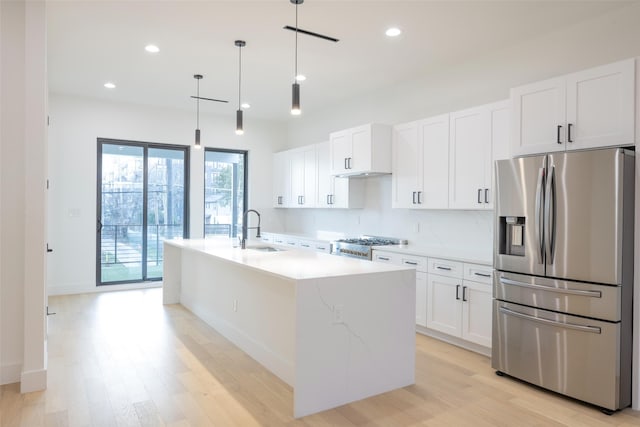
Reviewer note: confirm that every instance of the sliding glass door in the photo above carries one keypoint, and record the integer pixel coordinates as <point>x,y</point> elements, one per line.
<point>142,200</point>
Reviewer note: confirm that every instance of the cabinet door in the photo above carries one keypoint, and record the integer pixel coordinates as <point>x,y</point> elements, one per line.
<point>444,308</point>
<point>360,158</point>
<point>537,110</point>
<point>325,180</point>
<point>500,149</point>
<point>421,298</point>
<point>468,146</point>
<point>339,151</point>
<point>476,313</point>
<point>433,173</point>
<point>601,107</point>
<point>310,177</point>
<point>297,178</point>
<point>281,170</point>
<point>406,157</point>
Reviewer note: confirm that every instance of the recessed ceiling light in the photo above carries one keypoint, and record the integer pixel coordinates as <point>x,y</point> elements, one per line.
<point>301,78</point>
<point>246,105</point>
<point>152,48</point>
<point>109,85</point>
<point>393,32</point>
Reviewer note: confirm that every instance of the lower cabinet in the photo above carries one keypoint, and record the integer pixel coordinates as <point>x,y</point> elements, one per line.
<point>461,307</point>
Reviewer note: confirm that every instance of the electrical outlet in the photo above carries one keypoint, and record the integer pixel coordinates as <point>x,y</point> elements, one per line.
<point>338,312</point>
<point>235,305</point>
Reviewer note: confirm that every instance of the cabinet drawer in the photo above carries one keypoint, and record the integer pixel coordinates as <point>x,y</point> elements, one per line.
<point>445,267</point>
<point>419,262</point>
<point>387,257</point>
<point>478,273</point>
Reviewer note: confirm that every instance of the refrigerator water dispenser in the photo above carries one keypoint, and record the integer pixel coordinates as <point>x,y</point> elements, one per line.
<point>511,235</point>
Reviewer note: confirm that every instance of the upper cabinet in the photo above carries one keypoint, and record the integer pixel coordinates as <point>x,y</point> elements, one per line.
<point>587,109</point>
<point>295,178</point>
<point>361,150</point>
<point>420,164</point>
<point>478,137</point>
<point>281,180</point>
<point>335,192</point>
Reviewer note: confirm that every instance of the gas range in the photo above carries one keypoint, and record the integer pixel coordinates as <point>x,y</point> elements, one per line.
<point>361,247</point>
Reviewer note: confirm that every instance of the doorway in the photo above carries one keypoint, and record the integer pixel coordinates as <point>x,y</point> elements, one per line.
<point>142,200</point>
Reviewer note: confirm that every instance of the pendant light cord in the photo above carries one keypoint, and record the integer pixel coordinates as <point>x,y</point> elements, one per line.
<point>198,106</point>
<point>296,65</point>
<point>239,74</point>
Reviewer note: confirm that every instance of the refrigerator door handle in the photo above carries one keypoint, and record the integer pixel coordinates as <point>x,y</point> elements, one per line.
<point>550,215</point>
<point>539,213</point>
<point>592,329</point>
<point>591,294</point>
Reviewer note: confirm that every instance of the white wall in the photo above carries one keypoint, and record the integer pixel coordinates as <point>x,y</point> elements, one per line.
<point>23,86</point>
<point>76,123</point>
<point>476,81</point>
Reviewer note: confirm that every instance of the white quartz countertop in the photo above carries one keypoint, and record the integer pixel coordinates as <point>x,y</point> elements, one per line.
<point>292,264</point>
<point>470,255</point>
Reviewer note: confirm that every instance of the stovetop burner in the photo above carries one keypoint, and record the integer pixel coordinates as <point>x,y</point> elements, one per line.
<point>360,247</point>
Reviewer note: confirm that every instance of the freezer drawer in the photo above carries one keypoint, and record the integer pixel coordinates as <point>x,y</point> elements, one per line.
<point>582,299</point>
<point>571,355</point>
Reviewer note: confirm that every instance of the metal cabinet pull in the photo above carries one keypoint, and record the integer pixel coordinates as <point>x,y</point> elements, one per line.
<point>592,329</point>
<point>350,162</point>
<point>486,195</point>
<point>458,292</point>
<point>443,268</point>
<point>328,199</point>
<point>302,199</point>
<point>414,197</point>
<point>383,258</point>
<point>482,274</point>
<point>419,194</point>
<point>558,134</point>
<point>304,246</point>
<point>331,199</point>
<point>479,195</point>
<point>464,293</point>
<point>569,133</point>
<point>411,262</point>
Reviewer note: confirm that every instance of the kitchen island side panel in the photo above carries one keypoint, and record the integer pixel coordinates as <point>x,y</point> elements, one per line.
<point>355,338</point>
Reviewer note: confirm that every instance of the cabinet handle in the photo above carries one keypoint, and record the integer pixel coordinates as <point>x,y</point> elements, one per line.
<point>302,200</point>
<point>411,262</point>
<point>464,293</point>
<point>328,199</point>
<point>558,135</point>
<point>419,194</point>
<point>457,292</point>
<point>486,195</point>
<point>321,248</point>
<point>345,164</point>
<point>304,246</point>
<point>414,197</point>
<point>569,132</point>
<point>443,268</point>
<point>279,200</point>
<point>383,258</point>
<point>349,162</point>
<point>479,195</point>
<point>482,274</point>
<point>332,200</point>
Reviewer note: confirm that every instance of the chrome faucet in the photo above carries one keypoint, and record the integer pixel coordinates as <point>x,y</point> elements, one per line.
<point>246,228</point>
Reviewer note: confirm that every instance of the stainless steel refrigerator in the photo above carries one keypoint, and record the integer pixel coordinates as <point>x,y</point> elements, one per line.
<point>563,288</point>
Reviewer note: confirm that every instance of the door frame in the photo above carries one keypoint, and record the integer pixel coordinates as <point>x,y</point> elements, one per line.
<point>145,147</point>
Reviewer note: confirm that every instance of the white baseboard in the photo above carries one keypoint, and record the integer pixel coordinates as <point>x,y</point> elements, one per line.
<point>485,351</point>
<point>81,289</point>
<point>33,381</point>
<point>10,374</point>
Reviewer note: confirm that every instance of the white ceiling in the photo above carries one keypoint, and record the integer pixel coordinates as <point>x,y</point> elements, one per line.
<point>91,42</point>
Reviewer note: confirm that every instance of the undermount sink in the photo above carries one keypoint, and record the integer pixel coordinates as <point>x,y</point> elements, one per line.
<point>266,249</point>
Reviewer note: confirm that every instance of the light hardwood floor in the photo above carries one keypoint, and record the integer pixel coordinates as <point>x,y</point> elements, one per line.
<point>124,359</point>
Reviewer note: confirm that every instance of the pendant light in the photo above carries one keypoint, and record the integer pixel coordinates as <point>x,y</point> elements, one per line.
<point>295,90</point>
<point>198,77</point>
<point>239,128</point>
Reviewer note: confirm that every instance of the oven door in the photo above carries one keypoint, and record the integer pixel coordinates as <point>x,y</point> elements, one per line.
<point>572,355</point>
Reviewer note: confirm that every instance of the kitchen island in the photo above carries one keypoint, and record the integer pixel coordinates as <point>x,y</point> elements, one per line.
<point>335,329</point>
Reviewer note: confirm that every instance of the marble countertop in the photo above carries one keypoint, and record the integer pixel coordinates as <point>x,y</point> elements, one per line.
<point>470,255</point>
<point>291,263</point>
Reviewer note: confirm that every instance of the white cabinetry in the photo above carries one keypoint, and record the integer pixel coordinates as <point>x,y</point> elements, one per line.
<point>587,109</point>
<point>478,137</point>
<point>281,180</point>
<point>456,305</point>
<point>420,167</point>
<point>335,192</point>
<point>361,150</point>
<point>420,264</point>
<point>303,176</point>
